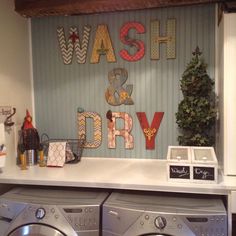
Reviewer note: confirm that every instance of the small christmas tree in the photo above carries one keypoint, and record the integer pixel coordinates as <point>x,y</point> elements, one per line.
<point>196,112</point>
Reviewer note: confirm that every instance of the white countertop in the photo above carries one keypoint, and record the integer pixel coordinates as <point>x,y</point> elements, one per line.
<point>112,173</point>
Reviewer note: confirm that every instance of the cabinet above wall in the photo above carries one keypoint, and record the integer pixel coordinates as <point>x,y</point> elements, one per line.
<point>39,8</point>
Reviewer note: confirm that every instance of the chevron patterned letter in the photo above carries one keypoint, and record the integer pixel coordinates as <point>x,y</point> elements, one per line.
<point>125,133</point>
<point>82,48</point>
<point>66,48</point>
<point>97,128</point>
<point>169,39</point>
<point>102,45</point>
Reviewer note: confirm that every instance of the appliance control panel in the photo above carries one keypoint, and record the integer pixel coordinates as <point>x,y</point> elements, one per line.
<point>209,225</point>
<point>40,213</point>
<point>83,218</point>
<point>204,225</point>
<point>80,218</point>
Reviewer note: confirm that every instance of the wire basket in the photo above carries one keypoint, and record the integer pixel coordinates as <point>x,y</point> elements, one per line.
<point>75,146</point>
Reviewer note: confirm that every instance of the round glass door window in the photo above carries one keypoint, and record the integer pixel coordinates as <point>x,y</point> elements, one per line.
<point>36,230</point>
<point>156,234</point>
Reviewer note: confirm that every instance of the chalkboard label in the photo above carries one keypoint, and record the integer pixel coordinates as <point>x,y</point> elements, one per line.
<point>203,173</point>
<point>179,172</point>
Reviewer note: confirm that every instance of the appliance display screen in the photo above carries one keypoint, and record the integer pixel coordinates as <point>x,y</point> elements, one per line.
<point>73,210</point>
<point>197,219</point>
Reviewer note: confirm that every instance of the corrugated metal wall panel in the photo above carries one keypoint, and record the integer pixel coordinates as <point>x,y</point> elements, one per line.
<point>60,89</point>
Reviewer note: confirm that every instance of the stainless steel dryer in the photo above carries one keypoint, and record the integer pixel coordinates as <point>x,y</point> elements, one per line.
<point>126,214</point>
<point>44,212</point>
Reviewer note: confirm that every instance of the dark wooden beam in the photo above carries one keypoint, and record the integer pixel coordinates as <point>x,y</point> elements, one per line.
<point>230,6</point>
<point>38,8</point>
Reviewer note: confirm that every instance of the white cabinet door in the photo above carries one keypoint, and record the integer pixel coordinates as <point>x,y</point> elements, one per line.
<point>233,202</point>
<point>229,94</point>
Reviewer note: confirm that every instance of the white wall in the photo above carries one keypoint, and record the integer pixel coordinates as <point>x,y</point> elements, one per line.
<point>227,91</point>
<point>15,69</point>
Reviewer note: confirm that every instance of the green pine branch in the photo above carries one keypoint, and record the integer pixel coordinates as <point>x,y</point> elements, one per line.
<point>196,112</point>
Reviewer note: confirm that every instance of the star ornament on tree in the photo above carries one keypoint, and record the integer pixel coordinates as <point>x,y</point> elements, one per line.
<point>197,52</point>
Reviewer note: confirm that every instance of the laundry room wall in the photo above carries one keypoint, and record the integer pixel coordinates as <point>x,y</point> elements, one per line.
<point>15,61</point>
<point>61,89</point>
<point>15,71</point>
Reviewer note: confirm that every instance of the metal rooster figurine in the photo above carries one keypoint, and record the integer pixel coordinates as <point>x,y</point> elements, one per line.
<point>30,135</point>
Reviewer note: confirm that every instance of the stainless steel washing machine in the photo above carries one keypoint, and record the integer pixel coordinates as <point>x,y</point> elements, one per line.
<point>127,214</point>
<point>50,212</point>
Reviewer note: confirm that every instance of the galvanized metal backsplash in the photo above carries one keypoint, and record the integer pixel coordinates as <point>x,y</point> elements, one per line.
<point>60,89</point>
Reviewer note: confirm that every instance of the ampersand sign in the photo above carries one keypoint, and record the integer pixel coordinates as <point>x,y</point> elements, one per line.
<point>116,94</point>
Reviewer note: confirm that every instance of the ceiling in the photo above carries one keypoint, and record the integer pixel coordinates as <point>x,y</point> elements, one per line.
<point>39,8</point>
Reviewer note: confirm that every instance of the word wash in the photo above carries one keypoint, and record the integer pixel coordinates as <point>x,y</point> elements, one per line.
<point>103,46</point>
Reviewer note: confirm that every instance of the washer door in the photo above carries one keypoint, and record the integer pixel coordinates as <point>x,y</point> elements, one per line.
<point>155,234</point>
<point>36,230</point>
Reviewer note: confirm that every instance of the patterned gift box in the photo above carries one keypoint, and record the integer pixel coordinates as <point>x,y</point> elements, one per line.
<point>56,154</point>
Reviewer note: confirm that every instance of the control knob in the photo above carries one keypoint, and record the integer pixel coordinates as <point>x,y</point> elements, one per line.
<point>160,222</point>
<point>40,213</point>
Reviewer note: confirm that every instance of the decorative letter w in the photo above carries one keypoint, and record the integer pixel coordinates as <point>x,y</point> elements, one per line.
<point>73,43</point>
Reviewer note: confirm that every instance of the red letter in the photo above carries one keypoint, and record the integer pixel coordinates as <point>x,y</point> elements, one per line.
<point>138,44</point>
<point>150,132</point>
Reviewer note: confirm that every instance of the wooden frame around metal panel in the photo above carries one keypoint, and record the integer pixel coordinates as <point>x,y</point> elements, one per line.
<point>38,8</point>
